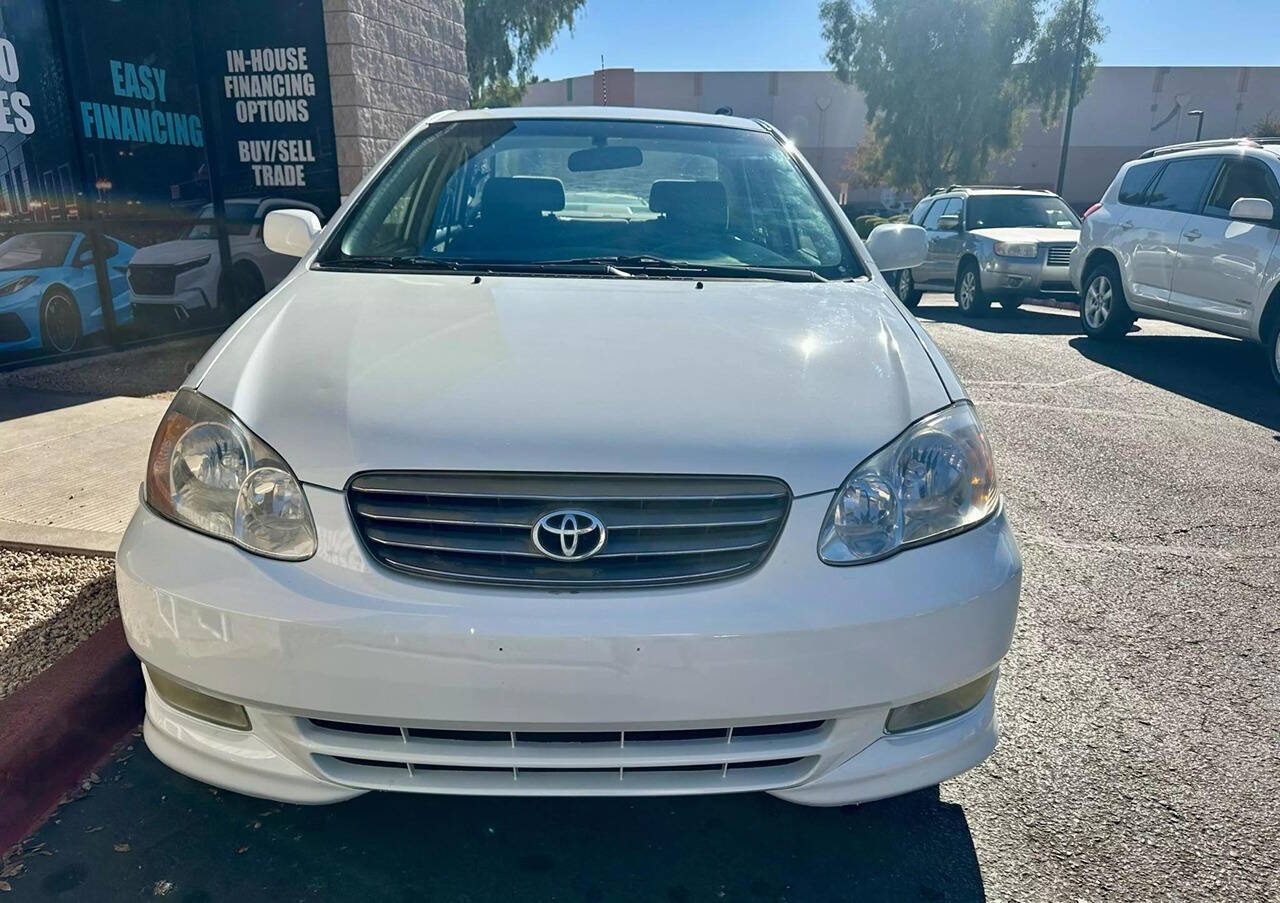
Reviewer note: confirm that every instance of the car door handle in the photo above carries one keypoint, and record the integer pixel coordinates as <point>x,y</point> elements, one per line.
<point>1127,224</point>
<point>1192,235</point>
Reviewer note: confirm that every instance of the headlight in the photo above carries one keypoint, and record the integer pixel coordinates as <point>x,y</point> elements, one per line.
<point>16,285</point>
<point>1017,248</point>
<point>207,471</point>
<point>934,480</point>
<point>191,264</point>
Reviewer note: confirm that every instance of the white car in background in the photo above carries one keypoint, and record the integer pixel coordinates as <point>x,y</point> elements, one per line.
<point>1187,233</point>
<point>179,278</point>
<point>503,493</point>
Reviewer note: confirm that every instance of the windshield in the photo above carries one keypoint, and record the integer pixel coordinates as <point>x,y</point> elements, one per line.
<point>35,250</point>
<point>540,191</point>
<point>1004,211</point>
<point>240,220</point>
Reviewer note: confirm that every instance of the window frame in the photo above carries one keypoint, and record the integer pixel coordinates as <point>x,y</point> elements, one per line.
<point>941,204</point>
<point>1273,185</point>
<point>1155,167</point>
<point>863,268</point>
<point>1204,190</point>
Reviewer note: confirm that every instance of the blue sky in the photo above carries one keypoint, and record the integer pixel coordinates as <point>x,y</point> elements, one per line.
<point>785,34</point>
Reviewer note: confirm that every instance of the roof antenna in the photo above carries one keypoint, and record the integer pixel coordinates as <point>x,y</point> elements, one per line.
<point>604,83</point>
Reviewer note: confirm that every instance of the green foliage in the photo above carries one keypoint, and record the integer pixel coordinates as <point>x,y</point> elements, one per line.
<point>1266,127</point>
<point>504,37</point>
<point>1046,74</point>
<point>864,224</point>
<point>944,89</point>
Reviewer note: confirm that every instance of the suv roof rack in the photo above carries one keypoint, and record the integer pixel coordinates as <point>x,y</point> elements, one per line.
<point>1215,142</point>
<point>993,187</point>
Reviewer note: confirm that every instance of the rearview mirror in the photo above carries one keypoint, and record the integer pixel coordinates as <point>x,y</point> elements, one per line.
<point>595,159</point>
<point>290,232</point>
<point>949,222</point>
<point>897,246</point>
<point>1256,209</point>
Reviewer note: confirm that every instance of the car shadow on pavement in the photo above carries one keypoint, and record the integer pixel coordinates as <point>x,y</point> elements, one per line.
<point>143,826</point>
<point>1024,321</point>
<point>1227,374</point>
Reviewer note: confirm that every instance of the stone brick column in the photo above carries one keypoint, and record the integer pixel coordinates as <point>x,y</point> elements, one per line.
<point>391,62</point>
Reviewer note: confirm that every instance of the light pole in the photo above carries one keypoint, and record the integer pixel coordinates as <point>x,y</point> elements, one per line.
<point>1199,115</point>
<point>1071,96</point>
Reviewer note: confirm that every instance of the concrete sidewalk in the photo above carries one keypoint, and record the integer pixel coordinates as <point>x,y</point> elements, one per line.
<point>70,466</point>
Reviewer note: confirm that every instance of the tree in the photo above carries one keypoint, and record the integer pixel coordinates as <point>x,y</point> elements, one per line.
<point>504,37</point>
<point>1046,74</point>
<point>947,82</point>
<point>1266,127</point>
<point>864,167</point>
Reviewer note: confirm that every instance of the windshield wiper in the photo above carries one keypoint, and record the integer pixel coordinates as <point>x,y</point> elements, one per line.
<point>399,262</point>
<point>650,265</point>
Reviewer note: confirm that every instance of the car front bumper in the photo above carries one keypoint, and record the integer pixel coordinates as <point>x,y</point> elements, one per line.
<point>1030,277</point>
<point>340,639</point>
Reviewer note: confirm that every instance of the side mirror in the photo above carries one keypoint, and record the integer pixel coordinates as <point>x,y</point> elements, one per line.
<point>949,222</point>
<point>897,246</point>
<point>290,232</point>
<point>1256,209</point>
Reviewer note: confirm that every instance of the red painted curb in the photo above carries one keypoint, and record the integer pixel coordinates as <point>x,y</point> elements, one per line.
<point>58,726</point>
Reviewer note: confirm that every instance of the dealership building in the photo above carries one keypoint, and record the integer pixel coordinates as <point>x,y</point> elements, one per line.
<point>1127,110</point>
<point>143,141</point>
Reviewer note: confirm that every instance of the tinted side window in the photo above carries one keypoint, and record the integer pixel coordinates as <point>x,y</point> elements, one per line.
<point>1182,184</point>
<point>917,215</point>
<point>1132,189</point>
<point>931,220</point>
<point>1240,179</point>
<point>954,206</point>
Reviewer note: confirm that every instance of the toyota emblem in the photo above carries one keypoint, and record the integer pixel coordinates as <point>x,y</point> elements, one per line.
<point>568,535</point>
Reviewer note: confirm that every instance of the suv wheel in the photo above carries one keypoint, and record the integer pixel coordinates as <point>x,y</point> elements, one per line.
<point>905,288</point>
<point>1104,312</point>
<point>973,303</point>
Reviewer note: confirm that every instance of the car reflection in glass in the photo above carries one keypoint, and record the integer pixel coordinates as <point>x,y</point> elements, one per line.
<point>176,280</point>
<point>49,290</point>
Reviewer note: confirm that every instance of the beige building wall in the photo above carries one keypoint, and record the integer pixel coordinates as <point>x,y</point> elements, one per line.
<point>391,63</point>
<point>1127,109</point>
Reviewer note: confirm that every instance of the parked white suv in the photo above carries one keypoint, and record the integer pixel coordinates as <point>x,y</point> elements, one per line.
<point>584,452</point>
<point>1187,233</point>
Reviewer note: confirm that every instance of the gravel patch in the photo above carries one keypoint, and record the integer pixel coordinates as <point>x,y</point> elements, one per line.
<point>153,371</point>
<point>48,605</point>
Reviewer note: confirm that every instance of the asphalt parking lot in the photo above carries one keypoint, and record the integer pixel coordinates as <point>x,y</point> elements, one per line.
<point>1140,705</point>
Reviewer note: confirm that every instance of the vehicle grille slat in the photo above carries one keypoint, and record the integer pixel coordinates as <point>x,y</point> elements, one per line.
<point>1059,255</point>
<point>478,527</point>
<point>584,760</point>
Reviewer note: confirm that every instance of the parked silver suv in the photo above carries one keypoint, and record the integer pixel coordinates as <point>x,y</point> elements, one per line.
<point>988,243</point>
<point>1187,233</point>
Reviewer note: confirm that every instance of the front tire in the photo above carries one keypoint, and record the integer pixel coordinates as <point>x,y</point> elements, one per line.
<point>904,286</point>
<point>1104,312</point>
<point>969,295</point>
<point>60,326</point>
<point>241,289</point>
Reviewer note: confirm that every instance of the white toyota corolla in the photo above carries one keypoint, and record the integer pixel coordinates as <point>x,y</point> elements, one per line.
<point>585,451</point>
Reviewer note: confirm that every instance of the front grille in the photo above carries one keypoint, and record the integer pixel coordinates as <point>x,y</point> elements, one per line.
<point>152,279</point>
<point>1060,255</point>
<point>478,527</point>
<point>13,329</point>
<point>643,760</point>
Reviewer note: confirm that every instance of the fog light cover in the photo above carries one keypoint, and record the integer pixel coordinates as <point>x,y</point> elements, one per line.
<point>938,708</point>
<point>196,704</point>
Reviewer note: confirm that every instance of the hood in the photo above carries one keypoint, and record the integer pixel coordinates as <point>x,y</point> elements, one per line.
<point>1027,233</point>
<point>180,250</point>
<point>345,372</point>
